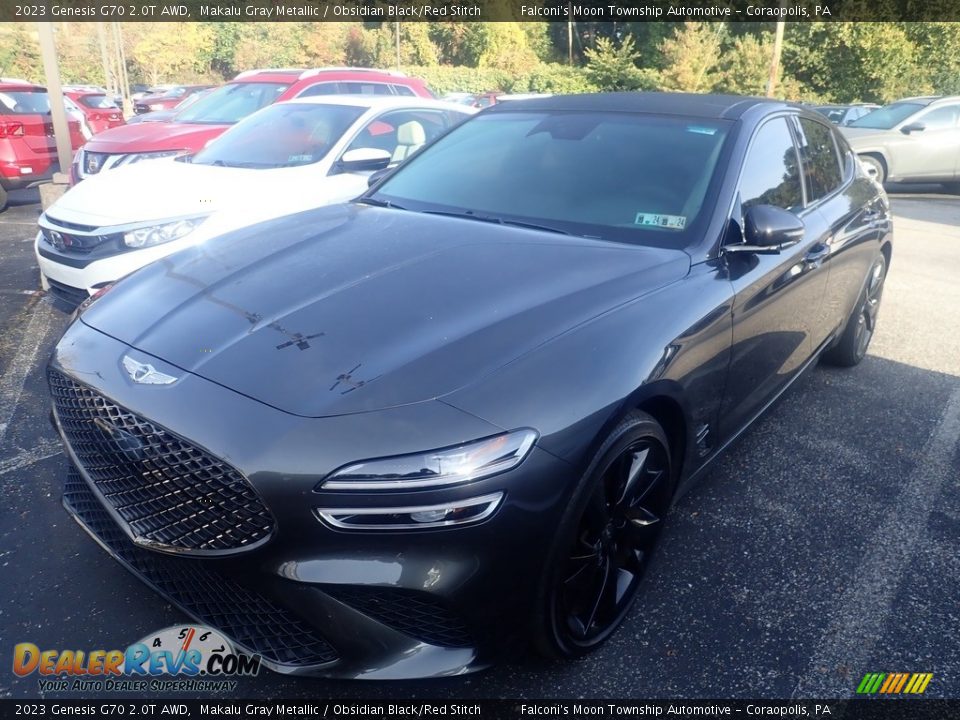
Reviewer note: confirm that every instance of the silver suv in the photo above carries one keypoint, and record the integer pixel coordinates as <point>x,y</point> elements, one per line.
<point>911,140</point>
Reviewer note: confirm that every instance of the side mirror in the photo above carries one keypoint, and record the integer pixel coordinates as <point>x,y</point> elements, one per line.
<point>768,230</point>
<point>913,127</point>
<point>363,159</point>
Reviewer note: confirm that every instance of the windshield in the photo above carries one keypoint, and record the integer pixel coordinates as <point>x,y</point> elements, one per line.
<point>231,103</point>
<point>283,135</point>
<point>24,102</point>
<point>617,176</point>
<point>98,102</point>
<point>886,117</point>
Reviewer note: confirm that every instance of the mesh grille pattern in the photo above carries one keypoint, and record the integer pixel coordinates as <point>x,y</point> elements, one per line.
<point>412,613</point>
<point>247,617</point>
<point>168,490</point>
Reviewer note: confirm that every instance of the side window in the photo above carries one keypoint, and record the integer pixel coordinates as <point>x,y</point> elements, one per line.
<point>402,90</point>
<point>821,165</point>
<point>327,88</point>
<point>362,88</point>
<point>401,132</point>
<point>771,172</point>
<point>942,118</point>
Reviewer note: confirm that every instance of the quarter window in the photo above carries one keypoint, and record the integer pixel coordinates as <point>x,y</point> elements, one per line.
<point>361,88</point>
<point>327,88</point>
<point>771,173</point>
<point>821,165</point>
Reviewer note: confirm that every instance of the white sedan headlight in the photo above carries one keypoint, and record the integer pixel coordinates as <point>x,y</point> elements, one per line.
<point>159,234</point>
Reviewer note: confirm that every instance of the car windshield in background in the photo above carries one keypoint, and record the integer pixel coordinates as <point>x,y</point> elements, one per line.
<point>886,117</point>
<point>98,102</point>
<point>231,103</point>
<point>633,178</point>
<point>284,135</point>
<point>24,102</point>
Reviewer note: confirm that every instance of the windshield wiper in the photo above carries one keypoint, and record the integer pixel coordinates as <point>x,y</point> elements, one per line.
<point>468,215</point>
<point>376,202</point>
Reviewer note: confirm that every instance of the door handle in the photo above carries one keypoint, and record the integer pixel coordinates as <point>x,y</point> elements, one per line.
<point>815,257</point>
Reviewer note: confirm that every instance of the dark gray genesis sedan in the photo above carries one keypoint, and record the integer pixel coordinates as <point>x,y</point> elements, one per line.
<point>406,436</point>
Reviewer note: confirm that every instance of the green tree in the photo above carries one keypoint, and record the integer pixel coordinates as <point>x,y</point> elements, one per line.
<point>19,52</point>
<point>613,67</point>
<point>690,56</point>
<point>166,52</point>
<point>744,67</point>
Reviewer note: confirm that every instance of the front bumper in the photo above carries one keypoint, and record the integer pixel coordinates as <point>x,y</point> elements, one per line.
<point>316,600</point>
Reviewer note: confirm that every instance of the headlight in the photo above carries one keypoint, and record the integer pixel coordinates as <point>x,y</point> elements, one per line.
<point>449,466</point>
<point>159,234</point>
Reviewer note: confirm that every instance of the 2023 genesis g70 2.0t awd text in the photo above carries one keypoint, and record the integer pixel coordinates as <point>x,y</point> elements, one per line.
<point>412,432</point>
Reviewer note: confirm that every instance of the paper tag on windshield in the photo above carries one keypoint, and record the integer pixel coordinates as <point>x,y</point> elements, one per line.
<point>673,222</point>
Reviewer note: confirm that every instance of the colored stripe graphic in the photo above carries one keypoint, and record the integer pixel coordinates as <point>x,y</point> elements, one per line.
<point>894,683</point>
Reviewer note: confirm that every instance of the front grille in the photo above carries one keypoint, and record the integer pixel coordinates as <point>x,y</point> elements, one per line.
<point>413,613</point>
<point>68,242</point>
<point>71,225</point>
<point>170,492</point>
<point>245,616</point>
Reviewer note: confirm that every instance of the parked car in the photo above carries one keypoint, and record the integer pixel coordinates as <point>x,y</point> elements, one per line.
<point>844,114</point>
<point>167,99</point>
<point>167,115</point>
<point>28,150</point>
<point>911,140</point>
<point>477,100</point>
<point>99,111</point>
<point>399,437</point>
<point>289,156</point>
<point>221,108</point>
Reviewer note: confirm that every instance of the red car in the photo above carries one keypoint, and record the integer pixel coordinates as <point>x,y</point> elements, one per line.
<point>166,100</point>
<point>212,114</point>
<point>99,110</point>
<point>28,150</point>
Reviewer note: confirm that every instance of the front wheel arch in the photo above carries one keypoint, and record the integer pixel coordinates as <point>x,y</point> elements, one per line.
<point>878,157</point>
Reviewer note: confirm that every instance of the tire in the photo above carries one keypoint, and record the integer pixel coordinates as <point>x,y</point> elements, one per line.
<point>875,167</point>
<point>606,538</point>
<point>3,199</point>
<point>853,343</point>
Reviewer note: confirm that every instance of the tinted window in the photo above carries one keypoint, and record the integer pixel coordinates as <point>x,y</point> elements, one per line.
<point>821,165</point>
<point>358,88</point>
<point>232,102</point>
<point>283,135</point>
<point>327,88</point>
<point>24,102</point>
<point>886,117</point>
<point>99,102</point>
<point>402,90</point>
<point>771,174</point>
<point>634,178</point>
<point>942,118</point>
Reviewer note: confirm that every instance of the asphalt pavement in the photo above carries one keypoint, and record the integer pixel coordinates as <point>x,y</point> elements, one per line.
<point>824,545</point>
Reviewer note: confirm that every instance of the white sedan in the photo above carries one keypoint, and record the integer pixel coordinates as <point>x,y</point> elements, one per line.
<point>288,157</point>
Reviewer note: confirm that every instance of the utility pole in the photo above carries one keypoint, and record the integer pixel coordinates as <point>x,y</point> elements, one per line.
<point>397,28</point>
<point>108,81</point>
<point>775,59</point>
<point>51,70</point>
<point>570,33</point>
<point>122,75</point>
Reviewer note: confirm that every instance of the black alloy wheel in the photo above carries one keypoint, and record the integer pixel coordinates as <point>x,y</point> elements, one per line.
<point>621,511</point>
<point>853,344</point>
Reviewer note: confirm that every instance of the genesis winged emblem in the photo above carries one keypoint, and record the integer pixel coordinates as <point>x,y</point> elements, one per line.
<point>146,374</point>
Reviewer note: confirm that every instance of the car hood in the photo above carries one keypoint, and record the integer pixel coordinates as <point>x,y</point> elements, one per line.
<point>153,137</point>
<point>351,308</point>
<point>164,189</point>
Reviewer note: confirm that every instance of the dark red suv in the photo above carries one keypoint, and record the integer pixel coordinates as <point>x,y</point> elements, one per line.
<point>211,115</point>
<point>168,99</point>
<point>28,151</point>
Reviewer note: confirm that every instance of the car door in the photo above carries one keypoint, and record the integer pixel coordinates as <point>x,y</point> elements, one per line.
<point>932,152</point>
<point>777,297</point>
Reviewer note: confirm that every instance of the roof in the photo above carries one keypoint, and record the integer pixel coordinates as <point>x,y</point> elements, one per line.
<point>378,101</point>
<point>728,107</point>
